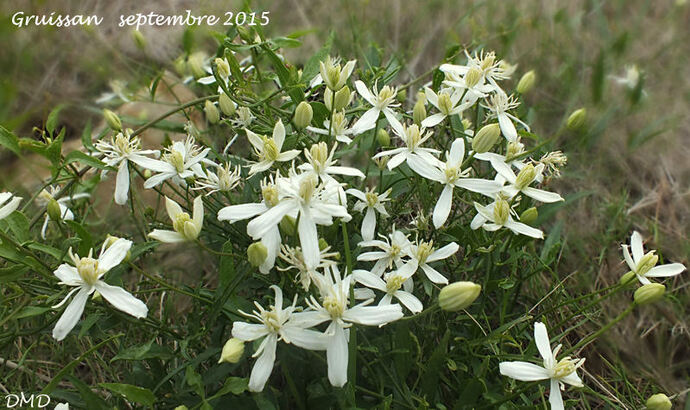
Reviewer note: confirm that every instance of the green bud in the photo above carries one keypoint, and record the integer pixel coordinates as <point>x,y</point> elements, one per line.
<point>257,254</point>
<point>212,114</point>
<point>383,138</point>
<point>181,407</point>
<point>529,216</point>
<point>458,295</point>
<point>139,39</point>
<point>486,138</point>
<point>232,351</point>
<point>226,105</point>
<point>577,120</point>
<point>303,115</point>
<point>54,211</point>
<point>97,297</point>
<point>195,64</point>
<point>650,293</point>
<point>401,96</point>
<point>526,83</point>
<point>658,401</point>
<point>342,98</point>
<point>113,120</point>
<point>245,34</point>
<point>419,112</point>
<point>628,278</point>
<point>147,173</point>
<point>288,225</point>
<point>180,66</point>
<point>222,67</point>
<point>525,176</point>
<point>466,124</point>
<point>322,244</point>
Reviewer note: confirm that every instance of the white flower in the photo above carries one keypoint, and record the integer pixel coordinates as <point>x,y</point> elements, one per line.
<point>372,202</point>
<point>643,265</point>
<point>271,239</point>
<point>276,324</point>
<point>451,174</point>
<point>557,372</point>
<point>244,118</point>
<point>180,161</point>
<point>118,152</point>
<point>422,253</point>
<point>499,104</point>
<point>520,183</point>
<point>392,250</point>
<point>480,89</point>
<point>382,102</point>
<point>487,67</point>
<point>311,203</point>
<point>225,180</point>
<point>86,276</point>
<point>331,73</point>
<point>185,228</point>
<point>306,274</point>
<point>269,149</point>
<point>66,214</point>
<point>8,203</point>
<point>513,149</point>
<point>221,66</point>
<point>446,102</point>
<point>334,307</point>
<point>630,79</point>
<point>338,128</point>
<point>498,215</point>
<point>391,284</point>
<point>413,137</point>
<point>322,164</point>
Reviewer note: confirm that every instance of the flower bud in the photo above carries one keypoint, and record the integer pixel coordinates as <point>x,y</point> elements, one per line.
<point>288,225</point>
<point>303,115</point>
<point>139,39</point>
<point>180,66</point>
<point>195,64</point>
<point>147,173</point>
<point>526,82</point>
<point>458,295</point>
<point>419,112</point>
<point>97,297</point>
<point>322,244</point>
<point>181,407</point>
<point>383,138</point>
<point>54,211</point>
<point>232,351</point>
<point>212,114</point>
<point>222,67</point>
<point>529,216</point>
<point>466,124</point>
<point>401,96</point>
<point>486,138</point>
<point>472,77</point>
<point>257,254</point>
<point>658,401</point>
<point>113,120</point>
<point>628,278</point>
<point>342,98</point>
<point>649,293</point>
<point>577,120</point>
<point>226,105</point>
<point>525,176</point>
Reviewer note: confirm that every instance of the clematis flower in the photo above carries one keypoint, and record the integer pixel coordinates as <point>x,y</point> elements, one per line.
<point>334,307</point>
<point>185,228</point>
<point>520,183</point>
<point>488,69</point>
<point>372,202</point>
<point>513,150</point>
<point>277,323</point>
<point>271,239</point>
<point>86,276</point>
<point>8,204</point>
<point>413,137</point>
<point>643,265</point>
<point>392,250</point>
<point>498,215</point>
<point>339,128</point>
<point>118,153</point>
<point>422,253</point>
<point>382,102</point>
<point>447,102</point>
<point>557,372</point>
<point>499,104</point>
<point>321,163</point>
<point>224,180</point>
<point>450,174</point>
<point>391,284</point>
<point>331,73</point>
<point>306,274</point>
<point>180,161</point>
<point>48,195</point>
<point>269,149</point>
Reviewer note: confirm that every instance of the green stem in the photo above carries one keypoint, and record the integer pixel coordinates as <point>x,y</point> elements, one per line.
<point>582,343</point>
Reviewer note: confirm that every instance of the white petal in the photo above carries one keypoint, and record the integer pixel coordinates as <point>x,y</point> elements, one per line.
<point>520,228</point>
<point>457,152</point>
<point>198,213</point>
<point>71,315</point>
<point>369,279</point>
<point>337,356</point>
<point>122,300</point>
<point>122,183</point>
<point>364,92</point>
<point>68,275</point>
<point>279,134</point>
<point>410,301</point>
<point>504,170</point>
<point>572,379</point>
<point>172,208</point>
<point>443,253</point>
<point>373,315</point>
<point>272,243</point>
<point>305,338</point>
<point>264,365</point>
<point>392,119</point>
<point>235,213</point>
<point>643,280</point>
<point>482,186</point>
<point>541,195</point>
<point>262,224</point>
<point>396,160</point>
<point>424,168</point>
<point>369,225</point>
<point>158,179</point>
<point>507,127</point>
<point>628,259</point>
<point>309,240</point>
<point>349,171</point>
<point>152,164</point>
<point>541,339</point>
<point>431,96</point>
<point>166,236</point>
<point>433,120</point>
<point>443,205</point>
<point>248,331</point>
<point>115,254</point>
<point>671,269</point>
<point>287,155</point>
<point>555,398</point>
<point>367,121</point>
<point>433,275</point>
<point>636,244</point>
<point>523,371</point>
<point>10,207</point>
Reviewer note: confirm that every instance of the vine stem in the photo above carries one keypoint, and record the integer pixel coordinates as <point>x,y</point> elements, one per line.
<point>584,342</point>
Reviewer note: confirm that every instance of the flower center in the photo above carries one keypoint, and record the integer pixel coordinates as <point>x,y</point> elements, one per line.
<point>319,156</point>
<point>394,283</point>
<point>307,187</point>
<point>180,222</point>
<point>333,306</point>
<point>88,270</point>
<point>646,263</point>
<point>452,174</point>
<point>372,198</point>
<point>424,249</point>
<point>525,177</point>
<point>514,149</point>
<point>271,321</point>
<point>564,367</point>
<point>177,160</point>
<point>270,195</point>
<point>270,151</point>
<point>385,97</point>
<point>412,136</point>
<point>472,77</point>
<point>445,105</point>
<point>339,123</point>
<point>501,212</point>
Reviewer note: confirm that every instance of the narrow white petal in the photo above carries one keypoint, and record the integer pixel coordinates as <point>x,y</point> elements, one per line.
<point>433,275</point>
<point>305,338</point>
<point>262,224</point>
<point>425,168</point>
<point>172,208</point>
<point>337,356</point>
<point>248,331</point>
<point>115,254</point>
<point>279,134</point>
<point>71,315</point>
<point>369,225</point>
<point>507,127</point>
<point>520,228</point>
<point>523,371</point>
<point>636,244</point>
<point>122,300</point>
<point>68,275</point>
<point>443,205</point>
<point>264,365</point>
<point>235,213</point>
<point>457,152</point>
<point>367,121</point>
<point>433,120</point>
<point>309,240</point>
<point>555,398</point>
<point>541,339</point>
<point>410,301</point>
<point>671,269</point>
<point>198,213</point>
<point>364,92</point>
<point>541,195</point>
<point>166,236</point>
<point>369,279</point>
<point>443,253</point>
<point>373,315</point>
<point>122,183</point>
<point>628,258</point>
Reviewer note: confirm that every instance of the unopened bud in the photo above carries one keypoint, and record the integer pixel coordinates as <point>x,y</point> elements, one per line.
<point>526,83</point>
<point>195,64</point>
<point>577,120</point>
<point>113,120</point>
<point>303,115</point>
<point>139,39</point>
<point>658,401</point>
<point>212,114</point>
<point>383,138</point>
<point>257,253</point>
<point>54,211</point>
<point>222,67</point>
<point>458,295</point>
<point>232,351</point>
<point>628,278</point>
<point>525,176</point>
<point>181,407</point>
<point>147,173</point>
<point>401,96</point>
<point>288,225</point>
<point>649,293</point>
<point>226,105</point>
<point>180,66</point>
<point>322,244</point>
<point>529,216</point>
<point>466,124</point>
<point>419,112</point>
<point>472,77</point>
<point>342,98</point>
<point>486,138</point>
<point>97,297</point>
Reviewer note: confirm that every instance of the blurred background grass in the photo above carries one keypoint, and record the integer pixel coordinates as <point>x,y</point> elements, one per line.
<point>629,170</point>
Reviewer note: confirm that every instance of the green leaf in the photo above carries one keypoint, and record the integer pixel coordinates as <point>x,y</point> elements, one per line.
<point>286,42</point>
<point>434,367</point>
<point>81,157</point>
<point>286,79</point>
<point>9,140</point>
<point>311,68</point>
<point>86,138</point>
<point>54,151</point>
<point>86,242</point>
<point>30,311</point>
<point>149,350</point>
<point>132,393</point>
<point>91,399</point>
<point>19,226</point>
<point>51,122</point>
<point>234,385</point>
